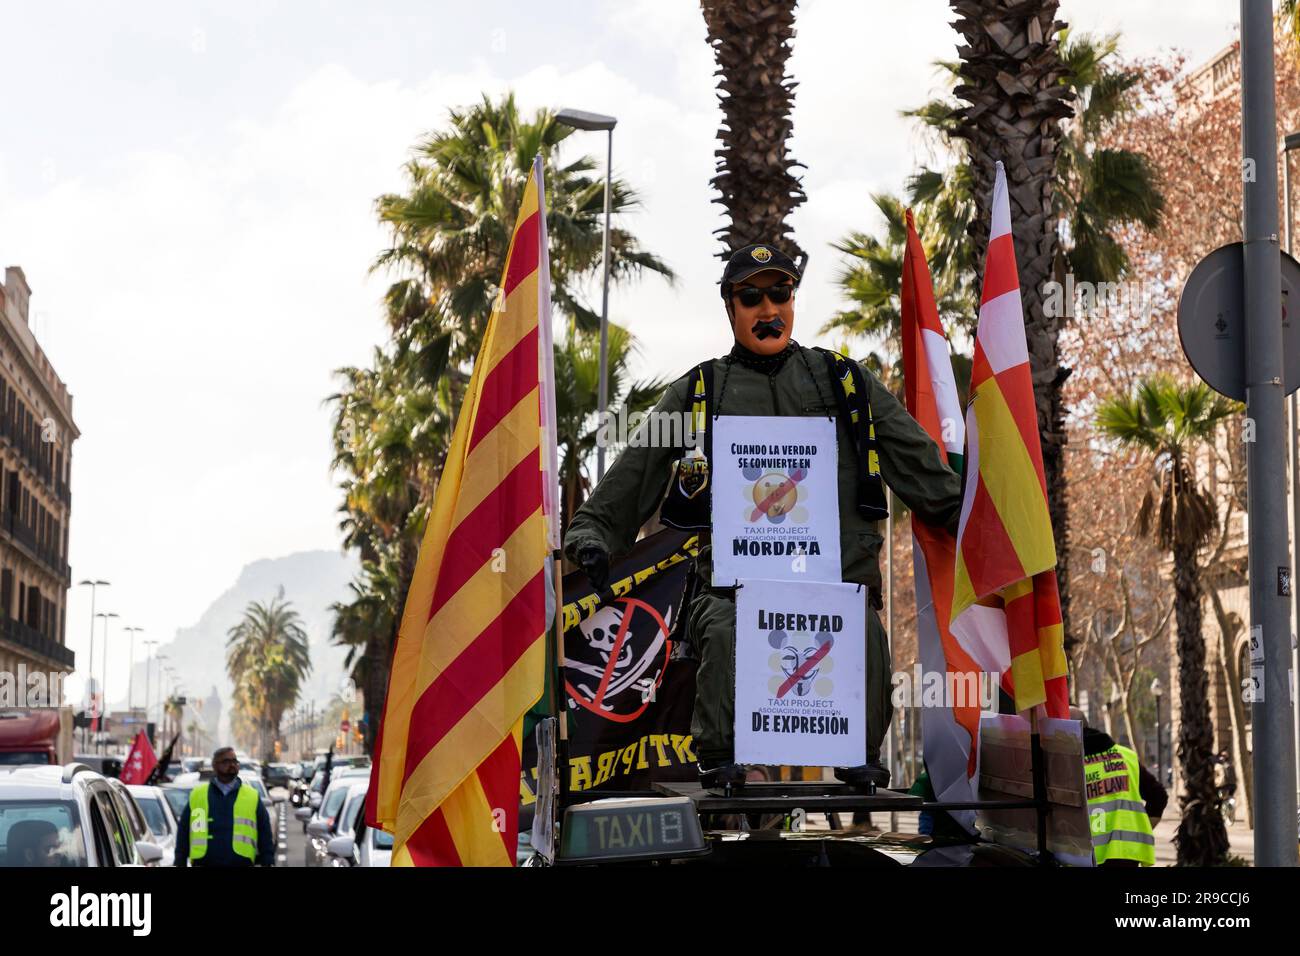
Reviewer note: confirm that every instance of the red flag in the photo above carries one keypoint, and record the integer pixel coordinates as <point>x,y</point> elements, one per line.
<point>140,761</point>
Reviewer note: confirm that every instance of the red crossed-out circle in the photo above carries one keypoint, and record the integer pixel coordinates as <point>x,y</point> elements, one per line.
<point>594,705</point>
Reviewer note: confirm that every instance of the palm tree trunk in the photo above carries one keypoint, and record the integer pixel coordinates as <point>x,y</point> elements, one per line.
<point>751,42</point>
<point>1201,839</point>
<point>376,685</point>
<point>1010,70</point>
<point>379,649</point>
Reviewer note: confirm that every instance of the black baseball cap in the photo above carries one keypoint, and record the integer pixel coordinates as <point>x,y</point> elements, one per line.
<point>759,257</point>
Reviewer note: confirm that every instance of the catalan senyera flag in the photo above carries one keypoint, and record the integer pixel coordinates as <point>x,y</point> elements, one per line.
<point>949,734</point>
<point>471,652</point>
<point>1006,609</point>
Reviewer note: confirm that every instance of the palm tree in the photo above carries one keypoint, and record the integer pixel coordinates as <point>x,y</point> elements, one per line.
<point>1098,189</point>
<point>267,658</point>
<point>577,373</point>
<point>451,229</point>
<point>751,42</point>
<point>367,624</point>
<point>1172,423</point>
<point>1289,12</point>
<point>1011,74</point>
<point>173,709</point>
<point>872,280</point>
<point>194,729</point>
<point>1016,76</point>
<point>450,233</point>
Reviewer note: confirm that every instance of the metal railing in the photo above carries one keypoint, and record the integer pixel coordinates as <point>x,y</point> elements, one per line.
<point>20,634</point>
<point>26,536</point>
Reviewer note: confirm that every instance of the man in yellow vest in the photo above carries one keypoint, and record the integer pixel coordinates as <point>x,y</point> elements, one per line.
<point>1125,800</point>
<point>225,823</point>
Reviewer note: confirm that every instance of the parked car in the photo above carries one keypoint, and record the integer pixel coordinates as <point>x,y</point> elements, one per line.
<point>158,814</point>
<point>136,817</point>
<point>344,826</point>
<point>66,816</point>
<point>320,823</point>
<point>177,796</point>
<point>103,764</point>
<point>277,774</point>
<point>357,844</point>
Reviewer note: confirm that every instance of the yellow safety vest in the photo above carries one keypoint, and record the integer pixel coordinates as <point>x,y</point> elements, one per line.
<point>244,836</point>
<point>1117,816</point>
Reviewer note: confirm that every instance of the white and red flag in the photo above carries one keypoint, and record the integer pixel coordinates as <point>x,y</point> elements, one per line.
<point>949,732</point>
<point>1006,611</point>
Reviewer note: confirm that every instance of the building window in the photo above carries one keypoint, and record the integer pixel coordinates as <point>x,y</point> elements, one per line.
<point>34,609</point>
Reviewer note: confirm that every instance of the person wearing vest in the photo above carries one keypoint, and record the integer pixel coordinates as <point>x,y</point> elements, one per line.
<point>225,823</point>
<point>1125,800</point>
<point>768,373</point>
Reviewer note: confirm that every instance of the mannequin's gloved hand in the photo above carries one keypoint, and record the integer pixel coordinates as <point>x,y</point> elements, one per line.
<point>594,561</point>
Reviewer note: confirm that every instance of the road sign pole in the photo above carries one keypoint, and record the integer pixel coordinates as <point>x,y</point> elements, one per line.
<point>1270,573</point>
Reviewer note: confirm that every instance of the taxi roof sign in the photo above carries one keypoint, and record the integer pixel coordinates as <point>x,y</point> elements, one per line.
<point>629,829</point>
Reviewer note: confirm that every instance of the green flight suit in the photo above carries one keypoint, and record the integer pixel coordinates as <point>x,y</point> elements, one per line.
<point>633,489</point>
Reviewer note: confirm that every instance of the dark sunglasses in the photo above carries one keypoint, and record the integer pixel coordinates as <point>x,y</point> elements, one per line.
<point>751,296</point>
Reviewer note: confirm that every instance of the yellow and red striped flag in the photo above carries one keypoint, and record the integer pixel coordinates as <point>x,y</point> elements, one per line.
<point>470,656</point>
<point>1006,610</point>
<point>930,389</point>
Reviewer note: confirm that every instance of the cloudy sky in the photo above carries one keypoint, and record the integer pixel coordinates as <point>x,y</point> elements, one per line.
<point>189,189</point>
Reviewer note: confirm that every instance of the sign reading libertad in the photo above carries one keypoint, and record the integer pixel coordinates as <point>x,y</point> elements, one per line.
<point>800,673</point>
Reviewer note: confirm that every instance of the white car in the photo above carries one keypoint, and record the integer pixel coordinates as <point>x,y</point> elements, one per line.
<point>158,815</point>
<point>323,823</point>
<point>67,816</point>
<point>355,843</point>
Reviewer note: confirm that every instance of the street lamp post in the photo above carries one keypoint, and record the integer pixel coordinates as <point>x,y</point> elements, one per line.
<point>90,658</point>
<point>1268,559</point>
<point>130,668</point>
<point>1291,142</point>
<point>159,666</point>
<point>103,685</point>
<point>148,669</point>
<point>578,119</point>
<point>1157,691</point>
<point>164,682</point>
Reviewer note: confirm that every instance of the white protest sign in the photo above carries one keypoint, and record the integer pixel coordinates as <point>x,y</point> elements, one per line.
<point>801,674</point>
<point>776,505</point>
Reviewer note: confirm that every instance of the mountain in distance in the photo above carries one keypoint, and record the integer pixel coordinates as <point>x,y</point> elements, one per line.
<point>312,581</point>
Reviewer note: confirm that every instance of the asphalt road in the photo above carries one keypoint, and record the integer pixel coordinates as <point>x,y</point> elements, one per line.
<point>290,842</point>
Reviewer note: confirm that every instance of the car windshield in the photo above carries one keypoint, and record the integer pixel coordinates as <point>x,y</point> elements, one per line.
<point>16,758</point>
<point>40,833</point>
<point>178,797</point>
<point>154,815</point>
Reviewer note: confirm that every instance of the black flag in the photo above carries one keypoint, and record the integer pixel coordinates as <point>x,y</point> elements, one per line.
<point>159,773</point>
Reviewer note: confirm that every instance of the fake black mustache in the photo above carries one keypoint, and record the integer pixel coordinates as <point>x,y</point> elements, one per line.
<point>768,329</point>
